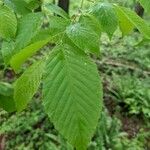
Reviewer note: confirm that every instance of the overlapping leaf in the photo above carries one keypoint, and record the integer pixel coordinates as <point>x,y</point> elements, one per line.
<point>128,19</point>
<point>29,25</point>
<point>8,22</point>
<point>91,22</point>
<point>26,86</point>
<point>6,97</point>
<point>52,34</point>
<point>107,17</point>
<point>84,37</point>
<point>72,94</point>
<point>18,59</point>
<point>125,24</point>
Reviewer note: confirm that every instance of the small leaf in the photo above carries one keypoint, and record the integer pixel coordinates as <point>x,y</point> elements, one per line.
<point>126,26</point>
<point>27,85</point>
<point>133,19</point>
<point>72,94</point>
<point>28,26</point>
<point>85,38</point>
<point>107,17</point>
<point>51,8</point>
<point>8,22</point>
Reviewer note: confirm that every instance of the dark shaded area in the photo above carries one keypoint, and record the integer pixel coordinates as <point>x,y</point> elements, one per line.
<point>139,9</point>
<point>64,4</point>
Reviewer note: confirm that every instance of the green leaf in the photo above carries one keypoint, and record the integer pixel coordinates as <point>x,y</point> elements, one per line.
<point>72,94</point>
<point>38,41</point>
<point>19,6</point>
<point>126,26</point>
<point>18,59</point>
<point>107,17</point>
<point>8,22</point>
<point>56,29</point>
<point>132,19</point>
<point>91,22</point>
<point>7,50</point>
<point>28,27</point>
<point>27,85</point>
<point>85,38</point>
<point>35,4</point>
<point>51,8</point>
<point>145,4</point>
<point>7,103</point>
<point>58,23</point>
<point>6,97</point>
<point>6,89</point>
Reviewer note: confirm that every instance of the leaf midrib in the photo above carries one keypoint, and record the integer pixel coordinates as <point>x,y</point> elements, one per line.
<point>75,107</point>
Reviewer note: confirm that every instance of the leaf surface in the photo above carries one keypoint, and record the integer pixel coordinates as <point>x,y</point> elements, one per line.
<point>91,22</point>
<point>72,94</point>
<point>107,17</point>
<point>6,97</point>
<point>19,58</point>
<point>26,86</point>
<point>28,26</point>
<point>19,6</point>
<point>52,34</point>
<point>126,26</point>
<point>132,19</point>
<point>8,22</point>
<point>6,89</point>
<point>7,50</point>
<point>84,37</point>
<point>7,103</point>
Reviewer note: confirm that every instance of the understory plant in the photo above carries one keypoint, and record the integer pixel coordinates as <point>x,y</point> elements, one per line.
<point>126,87</point>
<point>71,86</point>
